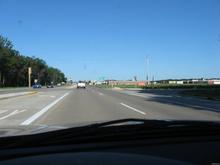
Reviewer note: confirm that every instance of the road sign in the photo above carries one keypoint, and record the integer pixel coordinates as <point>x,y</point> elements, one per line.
<point>101,78</point>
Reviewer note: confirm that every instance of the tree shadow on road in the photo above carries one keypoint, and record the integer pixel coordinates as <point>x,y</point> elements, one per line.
<point>170,92</point>
<point>172,97</point>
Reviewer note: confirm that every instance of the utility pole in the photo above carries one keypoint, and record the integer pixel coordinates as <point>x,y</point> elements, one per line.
<point>147,66</point>
<point>29,77</point>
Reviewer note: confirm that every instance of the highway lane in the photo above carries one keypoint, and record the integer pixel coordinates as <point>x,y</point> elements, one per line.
<point>172,96</point>
<point>63,106</point>
<point>87,105</point>
<point>14,111</point>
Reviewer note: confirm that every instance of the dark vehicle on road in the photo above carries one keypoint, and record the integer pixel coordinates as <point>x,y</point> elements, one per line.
<point>50,86</point>
<point>37,86</point>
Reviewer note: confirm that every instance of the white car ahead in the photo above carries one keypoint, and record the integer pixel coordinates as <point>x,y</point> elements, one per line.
<point>81,85</point>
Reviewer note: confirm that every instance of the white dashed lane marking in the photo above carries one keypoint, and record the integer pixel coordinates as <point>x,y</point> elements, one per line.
<point>42,111</point>
<point>134,109</point>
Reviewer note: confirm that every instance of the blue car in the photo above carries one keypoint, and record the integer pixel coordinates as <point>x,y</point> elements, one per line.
<point>36,86</point>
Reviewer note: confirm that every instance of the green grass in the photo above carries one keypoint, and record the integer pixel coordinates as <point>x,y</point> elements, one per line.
<point>103,86</point>
<point>126,86</point>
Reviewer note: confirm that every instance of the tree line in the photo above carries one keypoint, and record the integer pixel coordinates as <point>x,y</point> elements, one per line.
<point>14,68</point>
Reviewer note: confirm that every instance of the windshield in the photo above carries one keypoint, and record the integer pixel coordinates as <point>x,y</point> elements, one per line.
<point>70,63</point>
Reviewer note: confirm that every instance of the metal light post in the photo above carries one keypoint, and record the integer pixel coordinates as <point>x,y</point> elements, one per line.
<point>147,63</point>
<point>29,77</point>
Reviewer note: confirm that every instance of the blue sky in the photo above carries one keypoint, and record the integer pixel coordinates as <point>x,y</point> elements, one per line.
<point>88,39</point>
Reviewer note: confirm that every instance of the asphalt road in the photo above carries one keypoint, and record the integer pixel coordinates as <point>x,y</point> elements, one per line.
<point>63,106</point>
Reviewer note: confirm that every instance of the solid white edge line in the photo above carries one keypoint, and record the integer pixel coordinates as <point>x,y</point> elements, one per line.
<point>42,111</point>
<point>134,109</point>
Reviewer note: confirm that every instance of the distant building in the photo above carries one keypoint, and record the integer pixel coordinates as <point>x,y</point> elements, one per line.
<point>214,82</point>
<point>179,82</point>
<point>137,83</point>
<point>135,78</point>
<point>183,81</point>
<point>168,81</point>
<point>172,82</point>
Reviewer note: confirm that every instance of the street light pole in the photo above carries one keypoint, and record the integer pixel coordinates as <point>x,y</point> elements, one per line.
<point>29,77</point>
<point>147,63</point>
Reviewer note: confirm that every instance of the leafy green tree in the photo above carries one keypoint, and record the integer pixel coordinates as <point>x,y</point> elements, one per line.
<point>14,67</point>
